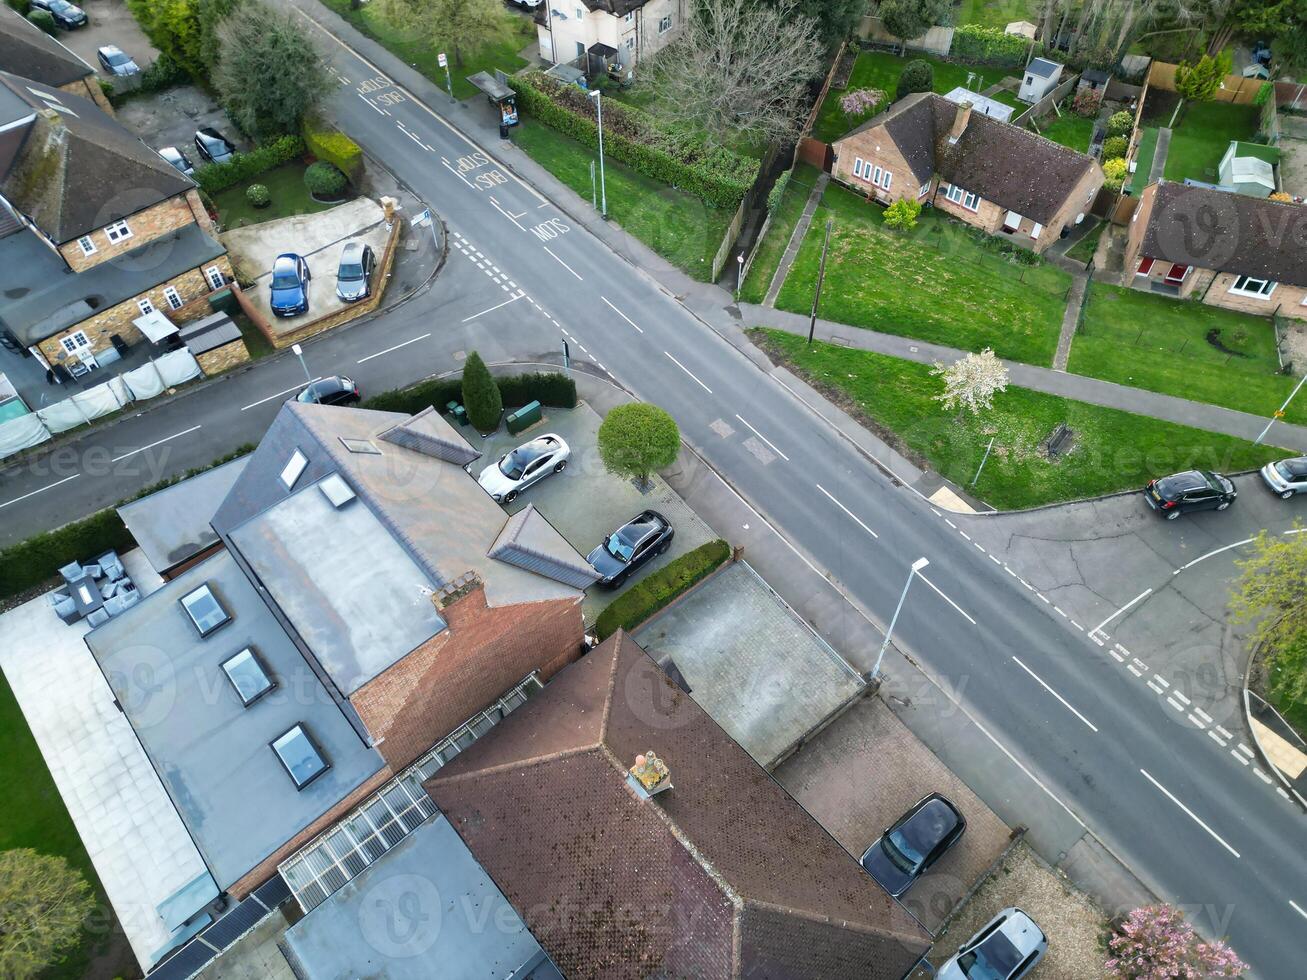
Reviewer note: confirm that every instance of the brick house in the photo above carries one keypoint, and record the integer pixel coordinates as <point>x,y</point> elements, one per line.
<point>1000,178</point>
<point>29,52</point>
<point>622,31</point>
<point>96,229</point>
<point>1230,250</point>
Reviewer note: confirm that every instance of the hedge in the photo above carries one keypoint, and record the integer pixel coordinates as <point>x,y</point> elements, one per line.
<point>335,148</point>
<point>659,588</point>
<point>554,390</point>
<point>217,177</point>
<point>717,176</point>
<point>44,20</point>
<point>991,46</point>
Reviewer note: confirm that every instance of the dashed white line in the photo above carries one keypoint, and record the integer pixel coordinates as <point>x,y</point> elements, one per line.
<point>514,220</point>
<point>622,315</point>
<point>160,442</point>
<point>1154,686</point>
<point>1161,680</point>
<point>1181,696</point>
<point>1298,908</point>
<point>395,348</point>
<point>1239,757</point>
<point>561,262</point>
<point>451,169</point>
<point>1059,612</point>
<point>1225,732</point>
<point>964,534</point>
<point>1217,739</point>
<point>836,502</point>
<point>978,545</point>
<point>690,373</point>
<point>764,439</point>
<point>51,486</point>
<point>1245,750</point>
<point>1141,595</point>
<point>995,560</point>
<point>1077,625</point>
<point>1044,599</point>
<point>1203,715</point>
<point>280,393</point>
<point>950,524</point>
<point>493,308</point>
<point>1262,776</point>
<point>1190,813</point>
<point>1120,659</point>
<point>1064,701</point>
<point>373,104</point>
<point>946,598</point>
<point>1175,704</point>
<point>1134,670</point>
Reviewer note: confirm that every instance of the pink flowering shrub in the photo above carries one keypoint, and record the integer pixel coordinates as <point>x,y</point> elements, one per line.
<point>861,101</point>
<point>1156,943</point>
<point>1086,101</point>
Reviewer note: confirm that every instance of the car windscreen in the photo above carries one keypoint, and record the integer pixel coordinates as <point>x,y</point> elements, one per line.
<point>285,277</point>
<point>1171,487</point>
<point>349,271</point>
<point>117,59</point>
<point>904,862</point>
<point>619,547</point>
<point>514,464</point>
<point>1291,469</point>
<point>994,959</point>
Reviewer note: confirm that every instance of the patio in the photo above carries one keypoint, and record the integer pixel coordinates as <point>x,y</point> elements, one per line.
<point>95,591</point>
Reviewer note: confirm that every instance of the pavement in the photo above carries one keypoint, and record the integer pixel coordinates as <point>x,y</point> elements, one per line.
<point>1293,155</point>
<point>796,240</point>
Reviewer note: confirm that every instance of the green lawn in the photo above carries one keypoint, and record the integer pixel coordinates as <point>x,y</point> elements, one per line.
<point>1112,451</point>
<point>1069,130</point>
<point>997,13</point>
<point>1144,160</point>
<point>515,34</point>
<point>1009,98</point>
<point>778,234</point>
<point>676,225</point>
<point>878,69</point>
<point>1154,342</point>
<point>289,197</point>
<point>1202,135</point>
<point>940,283</point>
<point>1083,250</point>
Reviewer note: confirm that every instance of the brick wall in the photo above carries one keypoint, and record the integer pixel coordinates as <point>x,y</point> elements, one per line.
<point>876,149</point>
<point>1078,202</point>
<point>224,358</point>
<point>1291,300</point>
<point>1135,233</point>
<point>483,653</point>
<point>89,88</point>
<point>988,216</point>
<point>145,226</point>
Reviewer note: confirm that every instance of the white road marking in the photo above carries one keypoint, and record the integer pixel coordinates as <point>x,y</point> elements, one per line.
<point>1141,595</point>
<point>1203,715</point>
<point>1217,739</point>
<point>764,439</point>
<point>175,435</point>
<point>621,314</point>
<point>1030,775</point>
<point>842,507</point>
<point>1175,704</point>
<point>1120,659</point>
<point>1077,626</point>
<point>1224,732</point>
<point>374,105</point>
<point>395,348</point>
<point>1066,704</point>
<point>690,373</point>
<point>995,560</point>
<point>950,524</point>
<point>1192,815</point>
<point>1133,669</point>
<point>561,262</point>
<point>1298,908</point>
<point>1197,721</point>
<point>516,222</point>
<point>1161,680</point>
<point>51,486</point>
<point>964,534</point>
<point>946,598</point>
<point>450,168</point>
<point>1239,757</point>
<point>1262,776</point>
<point>1237,544</point>
<point>1059,612</point>
<point>1043,598</point>
<point>1181,697</point>
<point>1154,686</point>
<point>493,308</point>
<point>1245,750</point>
<point>981,547</point>
<point>280,393</point>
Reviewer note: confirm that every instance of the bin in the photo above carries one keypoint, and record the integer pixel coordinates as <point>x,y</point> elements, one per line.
<point>223,301</point>
<point>458,411</point>
<point>525,417</point>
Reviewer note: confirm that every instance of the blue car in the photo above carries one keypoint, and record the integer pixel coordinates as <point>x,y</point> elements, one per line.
<point>290,285</point>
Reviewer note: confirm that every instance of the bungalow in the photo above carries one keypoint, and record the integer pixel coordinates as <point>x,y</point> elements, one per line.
<point>1231,250</point>
<point>998,177</point>
<point>621,32</point>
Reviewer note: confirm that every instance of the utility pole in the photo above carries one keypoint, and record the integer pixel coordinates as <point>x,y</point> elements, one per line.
<point>299,352</point>
<point>598,96</point>
<point>821,276</point>
<point>1280,413</point>
<point>917,566</point>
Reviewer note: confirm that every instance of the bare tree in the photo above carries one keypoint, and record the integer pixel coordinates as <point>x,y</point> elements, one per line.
<point>971,382</point>
<point>739,70</point>
<point>462,26</point>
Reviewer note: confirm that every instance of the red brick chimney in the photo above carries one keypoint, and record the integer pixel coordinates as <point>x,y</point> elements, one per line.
<point>649,776</point>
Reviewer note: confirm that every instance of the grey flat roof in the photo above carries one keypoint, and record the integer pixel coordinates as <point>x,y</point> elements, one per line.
<point>425,909</point>
<point>209,333</point>
<point>213,754</point>
<point>351,592</point>
<point>172,524</point>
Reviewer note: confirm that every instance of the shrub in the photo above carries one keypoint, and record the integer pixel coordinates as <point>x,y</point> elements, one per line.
<point>990,45</point>
<point>43,19</point>
<point>481,395</point>
<point>1114,172</point>
<point>554,390</point>
<point>217,177</point>
<point>777,193</point>
<point>22,6</point>
<point>165,72</point>
<point>1120,123</point>
<point>861,102</point>
<point>1115,146</point>
<point>335,148</point>
<point>638,438</point>
<point>1086,102</point>
<point>659,588</point>
<point>325,180</point>
<point>917,76</point>
<point>257,195</point>
<point>902,214</point>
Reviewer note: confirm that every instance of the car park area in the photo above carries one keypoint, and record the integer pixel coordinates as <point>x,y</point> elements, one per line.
<point>171,117</point>
<point>108,22</point>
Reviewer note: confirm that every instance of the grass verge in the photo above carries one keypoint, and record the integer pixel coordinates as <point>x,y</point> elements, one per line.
<point>774,243</point>
<point>1204,132</point>
<point>997,13</point>
<point>1113,450</point>
<point>1083,250</point>
<point>286,188</point>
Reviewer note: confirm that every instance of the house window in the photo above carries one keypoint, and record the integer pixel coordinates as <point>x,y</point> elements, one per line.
<point>117,232</point>
<point>924,189</point>
<point>630,17</point>
<point>215,277</point>
<point>144,305</point>
<point>630,44</point>
<point>857,167</point>
<point>886,177</point>
<point>247,676</point>
<point>580,14</point>
<point>205,610</point>
<point>301,757</point>
<point>1030,79</point>
<point>1257,288</point>
<point>964,197</point>
<point>74,341</point>
<point>580,49</point>
<point>1145,267</point>
<point>173,297</point>
<point>665,24</point>
<point>1035,231</point>
<point>875,175</point>
<point>293,468</point>
<point>87,246</point>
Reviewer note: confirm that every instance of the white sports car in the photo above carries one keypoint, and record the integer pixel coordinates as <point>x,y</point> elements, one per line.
<point>525,465</point>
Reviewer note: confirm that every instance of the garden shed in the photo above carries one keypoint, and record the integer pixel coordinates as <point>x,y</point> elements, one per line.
<point>1246,169</point>
<point>1041,77</point>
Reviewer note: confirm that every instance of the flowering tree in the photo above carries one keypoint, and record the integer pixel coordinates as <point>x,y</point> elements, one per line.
<point>1156,943</point>
<point>861,101</point>
<point>971,382</point>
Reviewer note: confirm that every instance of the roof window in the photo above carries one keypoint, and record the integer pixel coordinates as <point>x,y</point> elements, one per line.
<point>301,757</point>
<point>293,468</point>
<point>205,610</point>
<point>247,676</point>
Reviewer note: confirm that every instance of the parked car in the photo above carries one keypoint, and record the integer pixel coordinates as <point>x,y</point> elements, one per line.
<point>213,146</point>
<point>66,15</point>
<point>525,465</point>
<point>178,159</point>
<point>290,285</point>
<point>116,61</point>
<point>1191,490</point>
<point>337,390</point>
<point>526,4</point>
<point>1286,476</point>
<point>916,840</point>
<point>630,546</point>
<point>354,275</point>
<point>1007,948</point>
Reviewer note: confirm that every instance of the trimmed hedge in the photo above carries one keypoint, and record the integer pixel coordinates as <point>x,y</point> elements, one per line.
<point>217,177</point>
<point>334,147</point>
<point>659,588</point>
<point>325,180</point>
<point>22,6</point>
<point>991,46</point>
<point>44,20</point>
<point>554,390</point>
<point>717,176</point>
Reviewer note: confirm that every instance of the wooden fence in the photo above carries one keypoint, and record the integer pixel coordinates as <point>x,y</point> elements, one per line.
<point>1235,88</point>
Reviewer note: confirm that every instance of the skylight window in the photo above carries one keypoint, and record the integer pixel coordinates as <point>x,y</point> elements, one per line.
<point>294,467</point>
<point>247,676</point>
<point>364,446</point>
<point>205,610</point>
<point>303,762</point>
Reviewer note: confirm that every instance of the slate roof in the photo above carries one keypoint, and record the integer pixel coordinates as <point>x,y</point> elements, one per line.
<point>723,875</point>
<point>529,541</point>
<point>28,51</point>
<point>428,433</point>
<point>1003,163</point>
<point>1042,68</point>
<point>1212,229</point>
<point>77,169</point>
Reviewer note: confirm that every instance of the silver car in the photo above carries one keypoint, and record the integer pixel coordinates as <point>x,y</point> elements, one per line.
<point>1007,948</point>
<point>1286,476</point>
<point>354,274</point>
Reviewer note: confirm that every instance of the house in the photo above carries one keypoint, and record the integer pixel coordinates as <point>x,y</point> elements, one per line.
<point>1230,250</point>
<point>1041,77</point>
<point>601,33</point>
<point>29,52</point>
<point>97,231</point>
<point>359,599</point>
<point>998,177</point>
<point>636,839</point>
<point>1248,168</point>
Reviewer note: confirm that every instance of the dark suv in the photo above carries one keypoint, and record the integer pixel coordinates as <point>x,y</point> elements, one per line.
<point>1191,490</point>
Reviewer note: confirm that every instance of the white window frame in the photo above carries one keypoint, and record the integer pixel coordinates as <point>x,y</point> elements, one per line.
<point>924,189</point>
<point>1267,284</point>
<point>215,277</point>
<point>630,17</point>
<point>580,14</point>
<point>876,171</point>
<point>857,167</point>
<point>145,305</point>
<point>74,341</point>
<point>886,178</point>
<point>117,232</point>
<point>963,197</point>
<point>1036,231</point>
<point>86,244</point>
<point>665,24</point>
<point>173,297</point>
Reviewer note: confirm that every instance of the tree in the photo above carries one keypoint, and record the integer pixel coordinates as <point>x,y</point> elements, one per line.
<point>1272,591</point>
<point>43,904</point>
<point>457,26</point>
<point>481,395</point>
<point>902,214</point>
<point>836,19</point>
<point>1114,172</point>
<point>906,19</point>
<point>971,382</point>
<point>268,75</point>
<point>1198,82</point>
<point>209,14</point>
<point>739,72</point>
<point>861,102</point>
<point>917,76</point>
<point>637,439</point>
<point>1156,943</point>
<point>1119,123</point>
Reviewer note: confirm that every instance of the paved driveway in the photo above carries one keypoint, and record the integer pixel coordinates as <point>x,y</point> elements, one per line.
<point>109,22</point>
<point>171,117</point>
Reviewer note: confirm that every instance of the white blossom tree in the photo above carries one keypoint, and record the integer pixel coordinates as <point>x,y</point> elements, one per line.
<point>971,382</point>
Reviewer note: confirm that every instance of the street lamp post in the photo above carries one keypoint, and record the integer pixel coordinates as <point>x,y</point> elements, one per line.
<point>1280,413</point>
<point>299,352</point>
<point>739,275</point>
<point>598,96</point>
<point>917,566</point>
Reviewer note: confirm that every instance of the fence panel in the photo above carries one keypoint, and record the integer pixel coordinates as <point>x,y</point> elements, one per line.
<point>22,433</point>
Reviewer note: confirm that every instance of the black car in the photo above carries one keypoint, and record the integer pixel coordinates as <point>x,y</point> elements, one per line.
<point>65,14</point>
<point>916,841</point>
<point>213,146</point>
<point>1181,493</point>
<point>630,546</point>
<point>331,391</point>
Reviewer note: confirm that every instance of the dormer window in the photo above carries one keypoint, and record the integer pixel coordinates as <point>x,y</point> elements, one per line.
<point>205,610</point>
<point>117,232</point>
<point>294,467</point>
<point>301,757</point>
<point>247,676</point>
<point>86,245</point>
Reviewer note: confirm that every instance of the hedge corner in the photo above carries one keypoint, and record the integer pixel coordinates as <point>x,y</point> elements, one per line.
<point>660,588</point>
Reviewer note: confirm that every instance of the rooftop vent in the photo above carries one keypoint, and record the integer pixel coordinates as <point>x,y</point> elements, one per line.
<point>336,490</point>
<point>649,776</point>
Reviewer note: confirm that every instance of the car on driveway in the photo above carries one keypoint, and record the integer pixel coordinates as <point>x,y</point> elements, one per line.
<point>1007,948</point>
<point>917,840</point>
<point>1286,476</point>
<point>66,15</point>
<point>527,464</point>
<point>1191,490</point>
<point>631,546</point>
<point>290,285</point>
<point>178,159</point>
<point>337,390</point>
<point>354,275</point>
<point>213,146</point>
<point>116,61</point>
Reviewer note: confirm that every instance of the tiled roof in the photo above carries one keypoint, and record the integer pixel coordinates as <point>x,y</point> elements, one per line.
<point>428,433</point>
<point>722,875</point>
<point>28,51</point>
<point>529,541</point>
